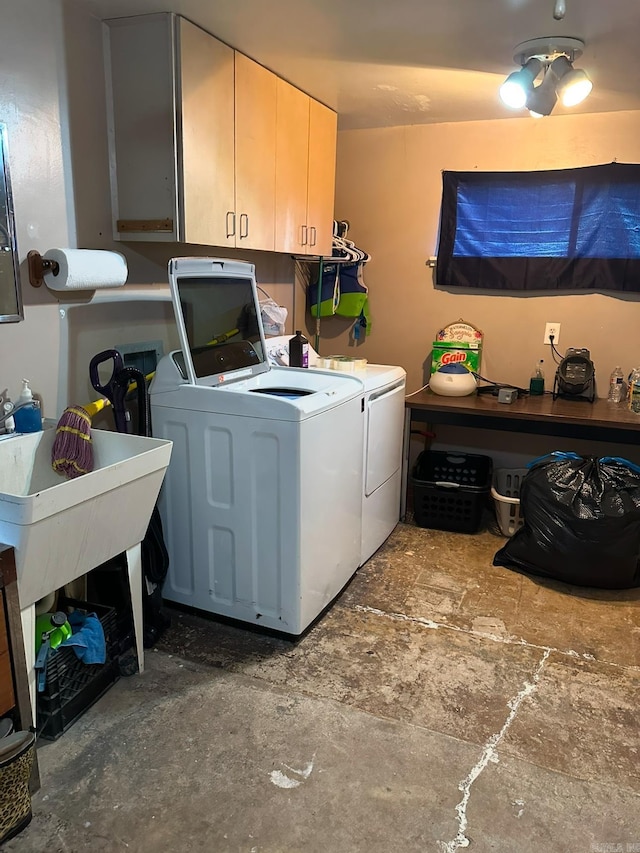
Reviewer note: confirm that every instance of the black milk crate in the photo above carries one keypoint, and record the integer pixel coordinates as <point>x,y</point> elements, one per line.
<point>450,490</point>
<point>73,686</point>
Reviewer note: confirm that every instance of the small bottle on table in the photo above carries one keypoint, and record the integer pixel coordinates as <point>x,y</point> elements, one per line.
<point>536,383</point>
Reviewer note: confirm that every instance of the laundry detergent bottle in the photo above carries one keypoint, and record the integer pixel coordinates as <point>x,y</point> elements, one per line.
<point>27,415</point>
<point>298,351</point>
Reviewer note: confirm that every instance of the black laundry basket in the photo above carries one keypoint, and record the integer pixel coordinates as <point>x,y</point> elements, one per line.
<point>450,490</point>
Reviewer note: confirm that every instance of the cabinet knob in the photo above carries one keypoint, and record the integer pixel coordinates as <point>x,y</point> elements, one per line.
<point>231,218</point>
<point>304,235</point>
<point>312,229</point>
<point>244,232</point>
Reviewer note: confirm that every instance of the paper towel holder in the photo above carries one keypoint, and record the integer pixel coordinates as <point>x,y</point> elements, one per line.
<point>38,265</point>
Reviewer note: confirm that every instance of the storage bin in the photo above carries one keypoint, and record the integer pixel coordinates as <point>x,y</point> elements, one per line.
<point>71,685</point>
<point>17,752</point>
<point>505,492</point>
<point>450,490</point>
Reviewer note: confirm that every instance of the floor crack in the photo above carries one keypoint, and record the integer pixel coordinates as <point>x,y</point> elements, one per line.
<point>485,635</point>
<point>489,753</point>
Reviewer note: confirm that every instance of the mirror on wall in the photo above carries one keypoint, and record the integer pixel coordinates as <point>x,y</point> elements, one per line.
<point>10,293</point>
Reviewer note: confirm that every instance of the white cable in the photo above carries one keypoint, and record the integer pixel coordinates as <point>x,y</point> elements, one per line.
<point>418,391</point>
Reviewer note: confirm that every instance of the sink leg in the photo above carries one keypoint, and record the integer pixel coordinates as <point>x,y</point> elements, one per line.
<point>134,566</point>
<point>28,619</point>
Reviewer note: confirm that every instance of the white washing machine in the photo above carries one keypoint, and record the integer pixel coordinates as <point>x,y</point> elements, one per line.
<point>261,504</point>
<point>383,431</point>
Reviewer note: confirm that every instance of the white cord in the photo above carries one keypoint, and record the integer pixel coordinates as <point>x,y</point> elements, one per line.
<point>418,391</point>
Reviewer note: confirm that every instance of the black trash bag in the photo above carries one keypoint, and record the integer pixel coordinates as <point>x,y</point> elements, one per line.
<point>581,522</point>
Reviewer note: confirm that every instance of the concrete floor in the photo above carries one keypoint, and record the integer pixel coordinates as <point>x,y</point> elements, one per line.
<point>441,704</point>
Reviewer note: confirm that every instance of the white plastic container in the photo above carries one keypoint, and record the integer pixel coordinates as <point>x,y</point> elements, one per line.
<point>505,492</point>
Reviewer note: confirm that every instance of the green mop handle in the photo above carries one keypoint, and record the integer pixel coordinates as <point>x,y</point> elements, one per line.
<point>318,303</point>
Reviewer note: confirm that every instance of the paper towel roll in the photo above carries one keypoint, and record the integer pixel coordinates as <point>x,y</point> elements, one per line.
<point>85,269</point>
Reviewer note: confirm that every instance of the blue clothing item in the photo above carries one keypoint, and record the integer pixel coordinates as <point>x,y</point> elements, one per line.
<point>329,292</point>
<point>87,638</point>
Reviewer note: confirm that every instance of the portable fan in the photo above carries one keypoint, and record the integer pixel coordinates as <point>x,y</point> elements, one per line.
<point>575,377</point>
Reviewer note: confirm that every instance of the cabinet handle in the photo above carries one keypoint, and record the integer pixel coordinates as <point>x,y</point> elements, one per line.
<point>231,213</point>
<point>313,235</point>
<point>303,240</point>
<point>244,216</point>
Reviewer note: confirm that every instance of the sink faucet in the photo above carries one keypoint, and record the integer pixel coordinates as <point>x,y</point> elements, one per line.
<point>6,415</point>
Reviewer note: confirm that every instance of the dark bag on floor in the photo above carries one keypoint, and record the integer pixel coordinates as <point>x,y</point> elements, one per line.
<point>581,522</point>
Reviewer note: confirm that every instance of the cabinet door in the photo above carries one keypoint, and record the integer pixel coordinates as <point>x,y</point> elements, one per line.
<point>140,86</point>
<point>206,131</point>
<point>323,124</point>
<point>292,160</point>
<point>255,147</point>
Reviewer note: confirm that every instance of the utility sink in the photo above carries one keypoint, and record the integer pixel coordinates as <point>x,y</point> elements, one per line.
<point>59,528</point>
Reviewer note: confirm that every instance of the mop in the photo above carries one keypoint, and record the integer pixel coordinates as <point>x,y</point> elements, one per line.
<point>72,451</point>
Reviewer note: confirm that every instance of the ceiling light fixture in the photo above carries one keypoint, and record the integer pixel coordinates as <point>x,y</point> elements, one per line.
<point>554,57</point>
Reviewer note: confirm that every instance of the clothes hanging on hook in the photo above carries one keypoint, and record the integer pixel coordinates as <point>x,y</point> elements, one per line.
<point>329,292</point>
<point>342,289</point>
<point>354,298</point>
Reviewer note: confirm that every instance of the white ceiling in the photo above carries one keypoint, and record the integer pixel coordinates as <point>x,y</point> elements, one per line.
<point>398,62</point>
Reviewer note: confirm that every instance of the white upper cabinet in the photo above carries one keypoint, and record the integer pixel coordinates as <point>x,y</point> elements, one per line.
<point>206,165</point>
<point>209,147</point>
<point>305,173</point>
<point>255,154</point>
<point>323,124</point>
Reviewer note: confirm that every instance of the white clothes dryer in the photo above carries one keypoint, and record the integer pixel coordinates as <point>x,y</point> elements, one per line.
<point>261,504</point>
<point>383,433</point>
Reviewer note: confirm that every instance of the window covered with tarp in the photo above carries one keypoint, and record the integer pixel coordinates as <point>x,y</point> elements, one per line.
<point>568,229</point>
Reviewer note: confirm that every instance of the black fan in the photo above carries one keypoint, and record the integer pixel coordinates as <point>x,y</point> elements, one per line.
<point>575,377</point>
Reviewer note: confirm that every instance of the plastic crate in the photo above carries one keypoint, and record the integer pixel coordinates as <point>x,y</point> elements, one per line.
<point>505,492</point>
<point>71,685</point>
<point>450,490</point>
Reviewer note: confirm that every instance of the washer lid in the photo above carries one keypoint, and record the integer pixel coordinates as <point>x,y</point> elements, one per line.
<point>216,306</point>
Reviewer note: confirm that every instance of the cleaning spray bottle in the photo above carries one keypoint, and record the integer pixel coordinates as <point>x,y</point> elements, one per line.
<point>27,415</point>
<point>298,351</point>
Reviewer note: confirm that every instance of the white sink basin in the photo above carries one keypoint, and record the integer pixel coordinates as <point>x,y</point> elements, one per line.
<point>60,528</point>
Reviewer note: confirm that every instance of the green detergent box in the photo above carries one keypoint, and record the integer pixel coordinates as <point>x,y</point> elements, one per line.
<point>456,352</point>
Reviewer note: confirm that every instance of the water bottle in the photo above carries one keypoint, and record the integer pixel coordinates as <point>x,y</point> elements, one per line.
<point>616,386</point>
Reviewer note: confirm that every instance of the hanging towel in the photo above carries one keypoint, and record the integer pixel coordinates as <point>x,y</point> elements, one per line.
<point>88,638</point>
<point>329,295</point>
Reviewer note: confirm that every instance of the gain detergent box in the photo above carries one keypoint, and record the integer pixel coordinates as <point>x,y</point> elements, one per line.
<point>459,342</point>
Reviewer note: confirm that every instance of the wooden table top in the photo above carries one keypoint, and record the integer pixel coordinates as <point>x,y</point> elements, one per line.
<point>537,409</point>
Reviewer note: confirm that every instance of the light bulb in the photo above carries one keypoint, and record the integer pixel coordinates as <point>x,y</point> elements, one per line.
<point>573,84</point>
<point>515,89</point>
<point>513,94</point>
<point>574,88</point>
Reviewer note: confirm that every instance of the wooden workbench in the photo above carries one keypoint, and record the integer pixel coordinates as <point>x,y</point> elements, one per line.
<point>538,415</point>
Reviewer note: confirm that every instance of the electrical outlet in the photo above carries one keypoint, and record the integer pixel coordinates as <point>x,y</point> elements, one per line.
<point>552,329</point>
